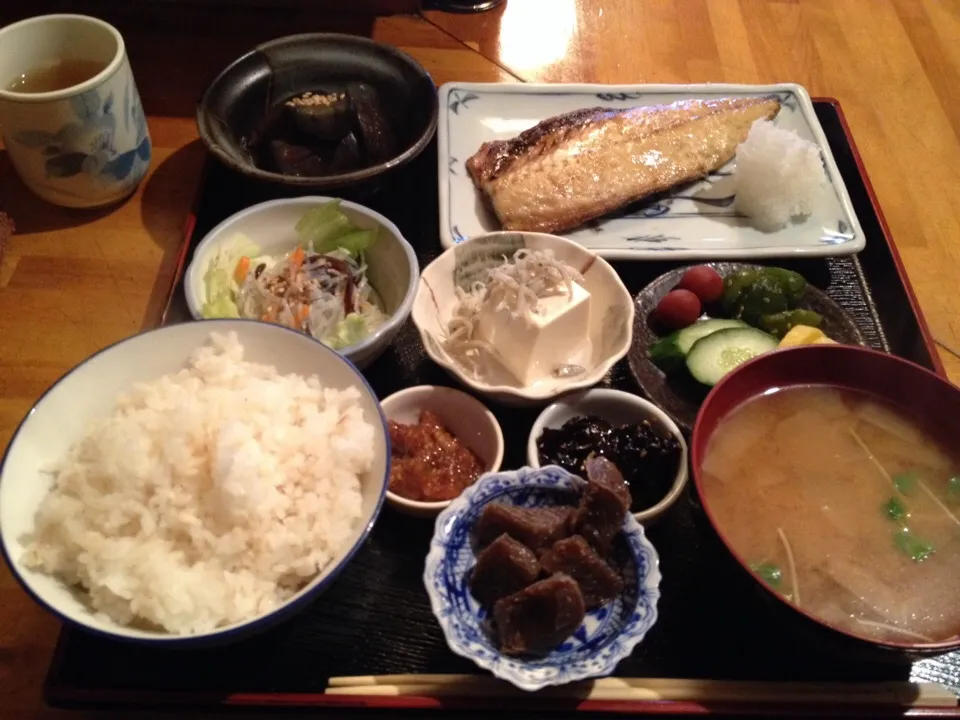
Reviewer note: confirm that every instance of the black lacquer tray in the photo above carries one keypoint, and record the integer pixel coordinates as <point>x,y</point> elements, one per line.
<point>376,619</point>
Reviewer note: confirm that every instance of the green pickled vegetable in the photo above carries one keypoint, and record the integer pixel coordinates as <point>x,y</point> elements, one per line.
<point>769,573</point>
<point>906,483</point>
<point>779,324</point>
<point>666,354</point>
<point>792,283</point>
<point>764,296</point>
<point>909,544</point>
<point>733,287</point>
<point>895,510</point>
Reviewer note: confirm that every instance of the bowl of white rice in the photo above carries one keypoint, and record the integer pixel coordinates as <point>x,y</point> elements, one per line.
<point>193,484</point>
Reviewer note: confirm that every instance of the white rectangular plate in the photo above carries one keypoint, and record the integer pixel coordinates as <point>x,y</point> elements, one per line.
<point>692,221</point>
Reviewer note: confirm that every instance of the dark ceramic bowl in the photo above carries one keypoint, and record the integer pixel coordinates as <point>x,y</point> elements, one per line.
<point>678,394</point>
<point>930,398</point>
<point>236,102</point>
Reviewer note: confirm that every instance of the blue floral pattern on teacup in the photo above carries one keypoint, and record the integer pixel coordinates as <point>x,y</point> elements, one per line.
<point>87,144</point>
<point>607,634</point>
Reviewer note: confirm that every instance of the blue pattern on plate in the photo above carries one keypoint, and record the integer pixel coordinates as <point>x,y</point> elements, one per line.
<point>460,100</point>
<point>87,144</point>
<point>651,238</point>
<point>606,636</point>
<point>839,236</point>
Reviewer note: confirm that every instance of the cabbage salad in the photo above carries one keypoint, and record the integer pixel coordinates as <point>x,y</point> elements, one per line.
<point>320,287</point>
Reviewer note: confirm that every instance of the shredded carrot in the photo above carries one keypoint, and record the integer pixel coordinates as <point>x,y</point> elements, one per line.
<point>241,270</point>
<point>296,260</point>
<point>302,315</point>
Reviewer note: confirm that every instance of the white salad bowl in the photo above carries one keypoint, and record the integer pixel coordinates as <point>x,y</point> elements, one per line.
<point>65,412</point>
<point>392,266</point>
<point>617,408</point>
<point>611,311</point>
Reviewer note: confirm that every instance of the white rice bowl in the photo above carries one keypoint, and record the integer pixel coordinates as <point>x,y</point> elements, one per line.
<point>203,498</point>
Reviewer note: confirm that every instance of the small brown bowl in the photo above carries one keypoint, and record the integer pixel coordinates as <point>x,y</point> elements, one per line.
<point>928,397</point>
<point>238,99</point>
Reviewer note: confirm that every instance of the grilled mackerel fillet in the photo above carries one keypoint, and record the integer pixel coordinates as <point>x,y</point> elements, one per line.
<point>578,166</point>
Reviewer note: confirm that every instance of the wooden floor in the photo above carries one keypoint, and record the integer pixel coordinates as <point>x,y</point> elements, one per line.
<point>72,282</point>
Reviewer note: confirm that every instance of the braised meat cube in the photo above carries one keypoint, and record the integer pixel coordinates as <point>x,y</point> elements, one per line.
<point>573,556</point>
<point>503,568</point>
<point>605,501</point>
<point>540,617</point>
<point>536,528</point>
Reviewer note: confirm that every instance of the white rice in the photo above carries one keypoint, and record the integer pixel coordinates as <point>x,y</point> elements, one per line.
<point>209,496</point>
<point>779,176</point>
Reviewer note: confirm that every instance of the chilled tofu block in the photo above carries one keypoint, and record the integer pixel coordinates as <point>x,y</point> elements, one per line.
<point>531,345</point>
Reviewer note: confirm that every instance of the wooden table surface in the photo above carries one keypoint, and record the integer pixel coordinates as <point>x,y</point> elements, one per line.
<point>74,281</point>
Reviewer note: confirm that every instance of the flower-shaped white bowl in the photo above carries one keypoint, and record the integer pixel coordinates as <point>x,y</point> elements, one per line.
<point>618,408</point>
<point>463,415</point>
<point>392,266</point>
<point>607,634</point>
<point>611,311</point>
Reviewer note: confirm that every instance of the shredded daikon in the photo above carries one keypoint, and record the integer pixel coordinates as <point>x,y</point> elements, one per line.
<point>518,285</point>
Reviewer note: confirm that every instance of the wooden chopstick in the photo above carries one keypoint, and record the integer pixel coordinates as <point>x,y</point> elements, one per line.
<point>902,694</point>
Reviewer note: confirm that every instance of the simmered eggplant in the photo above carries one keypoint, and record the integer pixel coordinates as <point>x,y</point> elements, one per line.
<point>324,133</point>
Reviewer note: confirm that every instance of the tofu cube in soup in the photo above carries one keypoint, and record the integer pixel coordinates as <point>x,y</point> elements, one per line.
<point>503,568</point>
<point>540,617</point>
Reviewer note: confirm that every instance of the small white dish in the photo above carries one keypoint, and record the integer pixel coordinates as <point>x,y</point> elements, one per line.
<point>610,324</point>
<point>463,415</point>
<point>392,266</point>
<point>88,393</point>
<point>690,222</point>
<point>617,408</point>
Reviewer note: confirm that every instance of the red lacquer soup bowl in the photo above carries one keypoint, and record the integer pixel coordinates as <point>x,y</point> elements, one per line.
<point>928,397</point>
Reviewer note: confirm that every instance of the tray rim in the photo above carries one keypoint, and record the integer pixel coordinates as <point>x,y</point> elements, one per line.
<point>63,696</point>
<point>804,104</point>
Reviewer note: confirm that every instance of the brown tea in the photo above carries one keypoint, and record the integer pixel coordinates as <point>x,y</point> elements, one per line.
<point>62,74</point>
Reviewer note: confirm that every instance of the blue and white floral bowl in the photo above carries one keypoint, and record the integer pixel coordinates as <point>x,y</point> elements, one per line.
<point>607,634</point>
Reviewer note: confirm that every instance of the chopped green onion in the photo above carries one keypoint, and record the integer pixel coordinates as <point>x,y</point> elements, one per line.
<point>909,544</point>
<point>895,510</point>
<point>906,483</point>
<point>769,573</point>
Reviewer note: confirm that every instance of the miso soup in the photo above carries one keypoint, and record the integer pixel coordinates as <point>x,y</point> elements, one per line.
<point>846,506</point>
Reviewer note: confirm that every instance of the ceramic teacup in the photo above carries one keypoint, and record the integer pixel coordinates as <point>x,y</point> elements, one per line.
<point>84,145</point>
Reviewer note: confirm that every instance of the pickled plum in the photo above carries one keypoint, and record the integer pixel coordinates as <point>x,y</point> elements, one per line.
<point>678,309</point>
<point>704,282</point>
